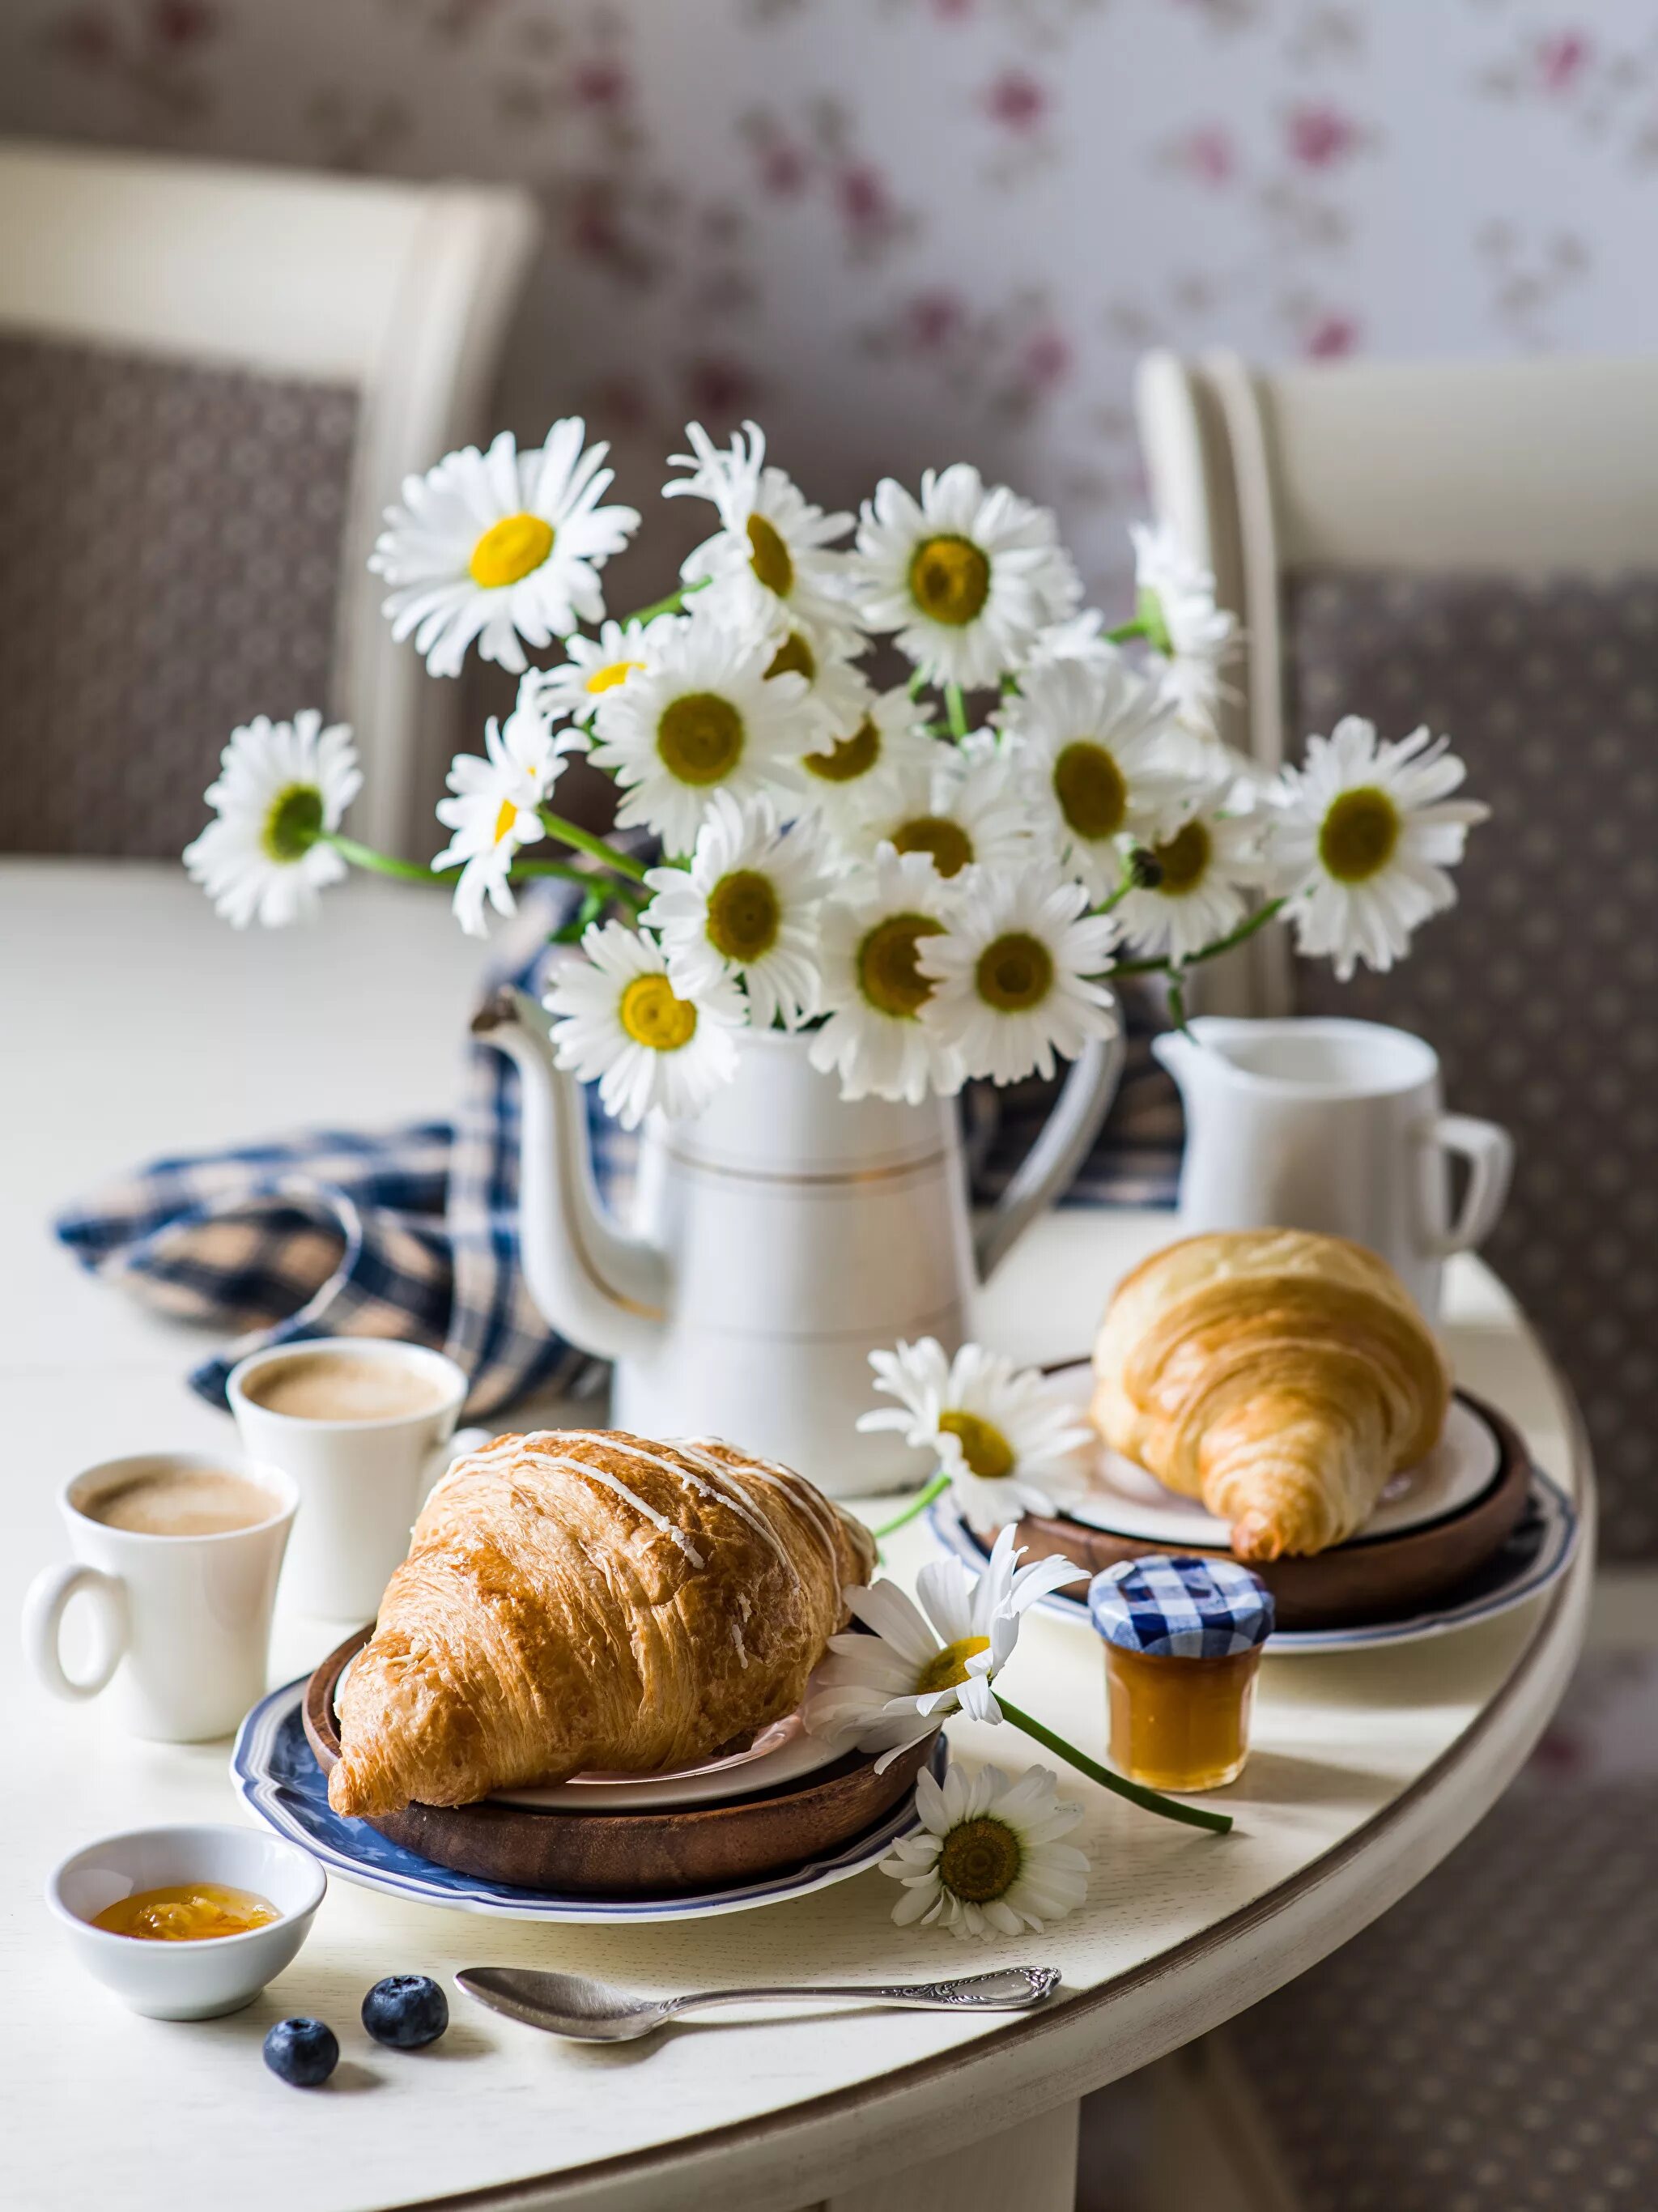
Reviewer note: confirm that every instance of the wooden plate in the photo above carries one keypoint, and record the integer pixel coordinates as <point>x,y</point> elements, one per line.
<point>649,1854</point>
<point>1372,1579</point>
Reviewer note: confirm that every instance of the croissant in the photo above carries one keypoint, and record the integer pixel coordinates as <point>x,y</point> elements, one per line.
<point>580,1599</point>
<point>1281,1377</point>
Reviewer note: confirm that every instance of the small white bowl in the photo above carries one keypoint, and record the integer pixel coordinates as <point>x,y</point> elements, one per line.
<point>187,1981</point>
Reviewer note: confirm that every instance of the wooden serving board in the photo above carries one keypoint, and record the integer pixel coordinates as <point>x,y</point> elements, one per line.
<point>663,1853</point>
<point>1373,1579</point>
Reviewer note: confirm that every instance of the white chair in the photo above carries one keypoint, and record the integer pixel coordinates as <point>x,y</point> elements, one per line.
<point>212,379</point>
<point>1475,546</point>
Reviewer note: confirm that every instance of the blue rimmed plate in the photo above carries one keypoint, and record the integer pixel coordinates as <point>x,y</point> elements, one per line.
<point>276,1772</point>
<point>1535,1554</point>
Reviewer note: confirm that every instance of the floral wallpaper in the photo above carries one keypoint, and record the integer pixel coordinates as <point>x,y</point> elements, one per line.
<point>902,230</point>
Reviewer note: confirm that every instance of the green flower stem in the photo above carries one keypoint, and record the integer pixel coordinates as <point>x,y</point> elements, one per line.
<point>1124,631</point>
<point>583,841</point>
<point>524,871</point>
<point>1150,1800</point>
<point>916,1507</point>
<point>958,710</point>
<point>917,683</point>
<point>673,604</point>
<point>1176,999</point>
<point>1162,965</point>
<point>382,864</point>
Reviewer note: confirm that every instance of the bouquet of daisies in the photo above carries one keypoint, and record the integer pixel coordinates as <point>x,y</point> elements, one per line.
<point>939,876</point>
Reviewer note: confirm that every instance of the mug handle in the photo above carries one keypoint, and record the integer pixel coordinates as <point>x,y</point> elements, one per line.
<point>1066,1137</point>
<point>1489,1150</point>
<point>43,1619</point>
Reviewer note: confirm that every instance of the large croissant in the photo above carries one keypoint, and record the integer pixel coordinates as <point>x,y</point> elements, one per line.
<point>1281,1377</point>
<point>582,1599</point>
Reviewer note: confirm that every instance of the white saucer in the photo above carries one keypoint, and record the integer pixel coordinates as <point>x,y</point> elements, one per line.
<point>1125,1501</point>
<point>782,1752</point>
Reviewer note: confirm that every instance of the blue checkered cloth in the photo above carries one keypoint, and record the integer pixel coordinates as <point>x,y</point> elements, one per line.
<point>1180,1607</point>
<point>412,1231</point>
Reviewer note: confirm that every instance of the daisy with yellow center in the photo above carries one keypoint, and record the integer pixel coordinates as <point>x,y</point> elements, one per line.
<point>1017,975</point>
<point>959,806</point>
<point>652,1046</point>
<point>503,547</point>
<point>747,906</point>
<point>988,1859</point>
<point>595,666</point>
<point>1359,839</point>
<point>772,551</point>
<point>871,935</point>
<point>703,716</point>
<point>282,792</point>
<point>1007,1443</point>
<point>1093,742</point>
<point>823,660</point>
<point>886,1691</point>
<point>967,577</point>
<point>857,768</point>
<point>1189,888</point>
<point>494,810</point>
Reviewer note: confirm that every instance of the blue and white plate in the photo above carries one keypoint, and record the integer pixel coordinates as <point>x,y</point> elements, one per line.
<point>1537,1553</point>
<point>275,1771</point>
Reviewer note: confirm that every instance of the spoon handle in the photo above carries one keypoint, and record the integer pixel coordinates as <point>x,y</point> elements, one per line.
<point>1014,1989</point>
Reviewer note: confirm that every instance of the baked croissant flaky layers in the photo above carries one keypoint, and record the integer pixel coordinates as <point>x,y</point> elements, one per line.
<point>584,1598</point>
<point>1281,1377</point>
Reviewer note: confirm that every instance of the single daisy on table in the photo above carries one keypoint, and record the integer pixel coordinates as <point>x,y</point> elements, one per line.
<point>503,546</point>
<point>1191,639</point>
<point>988,1859</point>
<point>1359,839</point>
<point>1016,975</point>
<point>747,906</point>
<point>886,1691</point>
<point>966,576</point>
<point>620,1020</point>
<point>856,768</point>
<point>1093,746</point>
<point>961,809</point>
<point>703,716</point>
<point>772,549</point>
<point>1008,1440</point>
<point>495,810</point>
<point>1192,893</point>
<point>593,666</point>
<point>870,933</point>
<point>281,791</point>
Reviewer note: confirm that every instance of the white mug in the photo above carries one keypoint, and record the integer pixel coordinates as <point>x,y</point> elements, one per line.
<point>361,1482</point>
<point>1335,1126</point>
<point>182,1623</point>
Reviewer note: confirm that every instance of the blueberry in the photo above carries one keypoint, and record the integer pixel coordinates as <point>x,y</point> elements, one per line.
<point>303,2051</point>
<point>405,2010</point>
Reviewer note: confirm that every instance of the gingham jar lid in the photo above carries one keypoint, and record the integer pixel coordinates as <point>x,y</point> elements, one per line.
<point>1180,1607</point>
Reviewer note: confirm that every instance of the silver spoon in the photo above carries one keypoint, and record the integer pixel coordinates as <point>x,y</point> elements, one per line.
<point>593,2012</point>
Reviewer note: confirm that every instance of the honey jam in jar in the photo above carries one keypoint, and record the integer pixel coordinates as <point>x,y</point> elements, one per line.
<point>1183,1649</point>
<point>188,1912</point>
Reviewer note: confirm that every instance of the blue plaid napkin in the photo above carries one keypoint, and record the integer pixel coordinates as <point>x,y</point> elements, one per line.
<point>412,1231</point>
<point>1180,1607</point>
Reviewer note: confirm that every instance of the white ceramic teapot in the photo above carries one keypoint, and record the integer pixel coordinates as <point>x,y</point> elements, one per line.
<point>775,1242</point>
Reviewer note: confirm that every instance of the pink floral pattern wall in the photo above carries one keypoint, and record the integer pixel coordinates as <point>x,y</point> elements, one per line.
<point>900,231</point>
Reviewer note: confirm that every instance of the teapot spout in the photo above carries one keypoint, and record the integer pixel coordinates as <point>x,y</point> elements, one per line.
<point>606,1291</point>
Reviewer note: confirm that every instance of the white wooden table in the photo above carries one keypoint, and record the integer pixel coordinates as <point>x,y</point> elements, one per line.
<point>132,1022</point>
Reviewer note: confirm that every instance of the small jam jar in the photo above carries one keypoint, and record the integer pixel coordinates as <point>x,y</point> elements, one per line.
<point>1183,1648</point>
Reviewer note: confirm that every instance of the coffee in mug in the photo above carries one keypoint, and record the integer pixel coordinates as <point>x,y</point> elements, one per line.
<point>179,1500</point>
<point>345,1386</point>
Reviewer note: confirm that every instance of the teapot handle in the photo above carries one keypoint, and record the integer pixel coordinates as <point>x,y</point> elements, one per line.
<point>1067,1137</point>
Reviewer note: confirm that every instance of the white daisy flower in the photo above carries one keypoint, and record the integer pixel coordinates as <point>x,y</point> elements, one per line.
<point>1082,637</point>
<point>823,659</point>
<point>1191,639</point>
<point>858,767</point>
<point>1359,838</point>
<point>1009,1443</point>
<point>1015,975</point>
<point>622,1020</point>
<point>702,717</point>
<point>967,577</point>
<point>1093,743</point>
<point>282,788</point>
<point>1202,873</point>
<point>885,1692</point>
<point>988,1860</point>
<point>869,936</point>
<point>771,550</point>
<point>961,808</point>
<point>593,666</point>
<point>500,546</point>
<point>747,906</point>
<point>494,810</point>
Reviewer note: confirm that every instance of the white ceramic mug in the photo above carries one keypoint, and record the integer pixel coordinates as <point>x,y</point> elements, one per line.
<point>181,1624</point>
<point>1335,1126</point>
<point>361,1482</point>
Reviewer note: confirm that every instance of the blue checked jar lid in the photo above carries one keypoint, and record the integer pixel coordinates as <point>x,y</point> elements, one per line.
<point>1180,1607</point>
